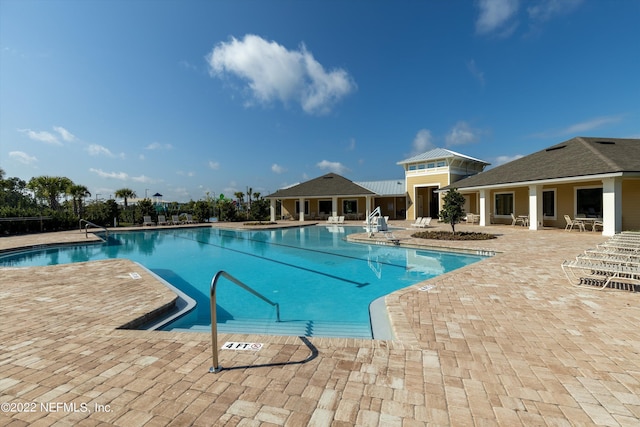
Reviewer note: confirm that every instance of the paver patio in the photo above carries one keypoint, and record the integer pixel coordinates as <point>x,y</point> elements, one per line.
<point>506,341</point>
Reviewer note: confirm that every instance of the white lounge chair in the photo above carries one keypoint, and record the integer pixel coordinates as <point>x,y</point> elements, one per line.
<point>571,223</point>
<point>426,221</point>
<point>162,220</point>
<point>417,223</point>
<point>332,220</point>
<point>340,220</point>
<point>190,219</point>
<point>146,220</point>
<point>175,219</point>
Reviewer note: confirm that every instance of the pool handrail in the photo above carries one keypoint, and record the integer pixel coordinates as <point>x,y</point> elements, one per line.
<point>214,325</point>
<point>89,223</point>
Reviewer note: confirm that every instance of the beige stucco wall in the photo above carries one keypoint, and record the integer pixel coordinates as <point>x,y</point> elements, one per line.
<point>631,204</point>
<point>413,181</point>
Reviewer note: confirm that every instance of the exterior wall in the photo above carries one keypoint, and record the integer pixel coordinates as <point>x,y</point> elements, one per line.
<point>631,204</point>
<point>393,207</point>
<point>436,180</point>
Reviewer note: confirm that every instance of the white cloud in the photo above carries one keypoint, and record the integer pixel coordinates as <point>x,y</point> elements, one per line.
<point>214,165</point>
<point>111,175</point>
<point>275,73</point>
<point>158,146</point>
<point>579,128</point>
<point>475,71</point>
<point>23,157</point>
<point>548,9</point>
<point>97,150</point>
<point>65,134</point>
<point>500,160</point>
<point>42,136</point>
<point>462,134</point>
<point>335,167</point>
<point>276,168</point>
<point>422,142</point>
<point>495,16</point>
<point>142,179</point>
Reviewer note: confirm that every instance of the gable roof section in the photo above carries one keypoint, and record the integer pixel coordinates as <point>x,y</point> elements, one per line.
<point>438,153</point>
<point>577,157</point>
<point>327,185</point>
<point>393,187</point>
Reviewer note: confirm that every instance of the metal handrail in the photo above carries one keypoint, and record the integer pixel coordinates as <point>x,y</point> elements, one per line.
<point>89,223</point>
<point>214,325</point>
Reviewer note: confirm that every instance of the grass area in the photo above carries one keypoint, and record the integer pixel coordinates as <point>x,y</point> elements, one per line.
<point>447,235</point>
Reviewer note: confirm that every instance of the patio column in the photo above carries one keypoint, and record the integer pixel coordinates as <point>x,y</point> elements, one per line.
<point>301,209</point>
<point>611,206</point>
<point>272,209</point>
<point>367,205</point>
<point>334,206</point>
<point>536,213</point>
<point>485,208</point>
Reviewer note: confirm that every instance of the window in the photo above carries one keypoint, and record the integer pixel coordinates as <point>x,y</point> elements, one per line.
<point>441,164</point>
<point>589,202</point>
<point>549,203</point>
<point>306,207</point>
<point>325,206</point>
<point>349,206</point>
<point>431,165</point>
<point>421,166</point>
<point>412,167</point>
<point>503,204</point>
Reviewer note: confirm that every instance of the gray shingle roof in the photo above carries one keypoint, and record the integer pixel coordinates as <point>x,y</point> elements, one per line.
<point>438,153</point>
<point>580,156</point>
<point>327,185</point>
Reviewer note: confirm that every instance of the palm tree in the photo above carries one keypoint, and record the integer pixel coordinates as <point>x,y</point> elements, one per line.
<point>49,188</point>
<point>78,192</point>
<point>125,193</point>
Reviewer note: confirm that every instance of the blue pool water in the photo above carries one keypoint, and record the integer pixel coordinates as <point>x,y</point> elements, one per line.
<point>323,284</point>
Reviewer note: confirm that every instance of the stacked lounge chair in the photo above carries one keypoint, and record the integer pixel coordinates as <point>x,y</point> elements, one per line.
<point>613,264</point>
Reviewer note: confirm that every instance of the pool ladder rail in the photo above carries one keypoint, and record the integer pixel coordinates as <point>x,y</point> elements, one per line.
<point>214,325</point>
<point>88,224</point>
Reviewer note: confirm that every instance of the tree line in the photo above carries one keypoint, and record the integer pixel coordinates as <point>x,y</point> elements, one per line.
<point>63,203</point>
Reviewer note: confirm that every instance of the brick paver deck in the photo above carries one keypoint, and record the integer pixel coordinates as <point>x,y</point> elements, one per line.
<point>506,341</point>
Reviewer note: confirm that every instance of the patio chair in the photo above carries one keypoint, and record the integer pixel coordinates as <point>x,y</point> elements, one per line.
<point>340,220</point>
<point>571,223</point>
<point>146,220</point>
<point>162,220</point>
<point>175,219</point>
<point>190,219</point>
<point>515,220</point>
<point>417,223</point>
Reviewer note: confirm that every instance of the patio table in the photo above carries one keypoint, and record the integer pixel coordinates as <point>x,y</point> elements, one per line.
<point>589,221</point>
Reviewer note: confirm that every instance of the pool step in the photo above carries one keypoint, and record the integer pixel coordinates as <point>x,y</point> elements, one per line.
<point>307,328</point>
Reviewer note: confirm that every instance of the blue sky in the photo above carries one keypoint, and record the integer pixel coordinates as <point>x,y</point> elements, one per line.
<point>189,97</point>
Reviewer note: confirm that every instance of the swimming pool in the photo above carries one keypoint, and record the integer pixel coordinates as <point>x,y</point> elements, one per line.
<point>323,284</point>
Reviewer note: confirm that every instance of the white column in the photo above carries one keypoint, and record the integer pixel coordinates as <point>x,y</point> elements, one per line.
<point>611,206</point>
<point>334,206</point>
<point>272,209</point>
<point>301,205</point>
<point>368,204</point>
<point>536,213</point>
<point>485,208</point>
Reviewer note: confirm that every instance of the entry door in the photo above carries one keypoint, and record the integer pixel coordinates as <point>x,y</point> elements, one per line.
<point>420,206</point>
<point>434,208</point>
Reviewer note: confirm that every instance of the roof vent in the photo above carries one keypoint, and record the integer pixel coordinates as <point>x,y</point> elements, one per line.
<point>555,148</point>
<point>328,177</point>
<point>605,142</point>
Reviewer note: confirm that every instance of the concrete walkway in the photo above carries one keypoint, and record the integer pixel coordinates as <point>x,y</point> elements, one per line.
<point>507,341</point>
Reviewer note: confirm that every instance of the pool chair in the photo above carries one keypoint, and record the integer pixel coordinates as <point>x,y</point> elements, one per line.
<point>332,219</point>
<point>417,223</point>
<point>190,219</point>
<point>571,223</point>
<point>162,220</point>
<point>340,220</point>
<point>175,219</point>
<point>147,221</point>
<point>426,221</point>
<point>518,220</point>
